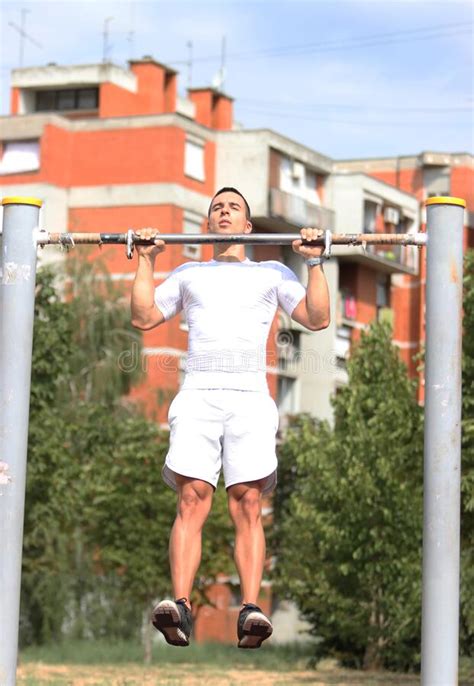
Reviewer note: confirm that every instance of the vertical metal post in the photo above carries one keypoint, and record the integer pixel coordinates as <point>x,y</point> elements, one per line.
<point>17,298</point>
<point>442,459</point>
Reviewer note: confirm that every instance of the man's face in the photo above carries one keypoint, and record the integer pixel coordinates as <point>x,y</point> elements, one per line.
<point>227,215</point>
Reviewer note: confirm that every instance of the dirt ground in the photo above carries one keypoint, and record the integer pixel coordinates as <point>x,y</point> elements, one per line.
<point>38,674</point>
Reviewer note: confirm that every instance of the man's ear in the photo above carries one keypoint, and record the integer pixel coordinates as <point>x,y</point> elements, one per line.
<point>248,227</point>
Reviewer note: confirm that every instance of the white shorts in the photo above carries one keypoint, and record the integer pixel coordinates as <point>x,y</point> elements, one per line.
<point>215,428</point>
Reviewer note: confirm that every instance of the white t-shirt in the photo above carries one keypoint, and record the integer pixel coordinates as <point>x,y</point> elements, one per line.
<point>229,308</point>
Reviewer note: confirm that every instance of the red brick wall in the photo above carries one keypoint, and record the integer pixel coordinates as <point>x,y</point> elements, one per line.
<point>171,92</point>
<point>14,101</point>
<point>150,155</point>
<point>409,180</point>
<point>406,326</point>
<point>203,102</point>
<point>366,294</point>
<point>223,114</point>
<point>121,156</point>
<point>274,169</point>
<point>320,181</point>
<point>462,185</point>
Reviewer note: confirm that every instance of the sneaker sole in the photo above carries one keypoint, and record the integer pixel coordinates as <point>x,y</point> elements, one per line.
<point>256,629</point>
<point>166,618</point>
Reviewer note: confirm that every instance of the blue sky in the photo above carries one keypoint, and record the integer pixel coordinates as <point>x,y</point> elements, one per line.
<point>347,78</point>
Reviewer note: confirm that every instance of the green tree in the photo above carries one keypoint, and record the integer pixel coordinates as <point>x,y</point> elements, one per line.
<point>77,415</point>
<point>349,550</point>
<point>467,484</point>
<point>101,335</point>
<point>45,579</point>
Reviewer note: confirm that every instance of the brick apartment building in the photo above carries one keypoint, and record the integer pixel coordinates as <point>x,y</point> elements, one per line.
<point>109,148</point>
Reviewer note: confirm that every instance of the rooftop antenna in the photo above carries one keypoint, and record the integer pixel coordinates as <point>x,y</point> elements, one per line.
<point>23,35</point>
<point>189,45</point>
<point>219,78</point>
<point>131,33</point>
<point>106,45</point>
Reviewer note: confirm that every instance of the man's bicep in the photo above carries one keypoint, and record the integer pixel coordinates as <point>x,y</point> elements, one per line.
<point>300,314</point>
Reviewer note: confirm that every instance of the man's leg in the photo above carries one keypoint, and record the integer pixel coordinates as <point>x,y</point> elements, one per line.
<point>193,507</point>
<point>173,617</point>
<point>245,507</point>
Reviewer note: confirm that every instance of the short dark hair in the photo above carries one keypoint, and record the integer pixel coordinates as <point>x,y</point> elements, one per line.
<point>231,189</point>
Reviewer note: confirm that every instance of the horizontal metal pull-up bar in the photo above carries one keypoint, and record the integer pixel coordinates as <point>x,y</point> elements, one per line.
<point>71,239</point>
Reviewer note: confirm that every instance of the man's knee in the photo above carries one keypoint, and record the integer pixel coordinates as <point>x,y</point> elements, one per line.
<point>245,502</point>
<point>194,497</point>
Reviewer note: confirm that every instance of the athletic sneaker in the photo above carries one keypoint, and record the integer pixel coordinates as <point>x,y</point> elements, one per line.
<point>252,627</point>
<point>174,620</point>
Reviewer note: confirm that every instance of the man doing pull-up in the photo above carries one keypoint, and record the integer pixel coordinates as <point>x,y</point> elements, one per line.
<point>224,416</point>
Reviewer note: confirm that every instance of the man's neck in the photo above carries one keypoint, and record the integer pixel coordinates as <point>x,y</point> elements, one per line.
<point>230,255</point>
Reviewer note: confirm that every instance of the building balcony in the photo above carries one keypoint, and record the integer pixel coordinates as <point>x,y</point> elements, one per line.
<point>287,211</point>
<point>367,205</point>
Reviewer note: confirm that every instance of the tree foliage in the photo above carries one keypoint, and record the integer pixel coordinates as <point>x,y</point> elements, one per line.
<point>350,532</point>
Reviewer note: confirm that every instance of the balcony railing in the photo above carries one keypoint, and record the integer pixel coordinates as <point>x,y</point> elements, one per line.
<point>405,256</point>
<point>298,211</point>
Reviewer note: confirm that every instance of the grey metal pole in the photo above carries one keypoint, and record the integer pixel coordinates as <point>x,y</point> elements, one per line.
<point>17,297</point>
<point>442,459</point>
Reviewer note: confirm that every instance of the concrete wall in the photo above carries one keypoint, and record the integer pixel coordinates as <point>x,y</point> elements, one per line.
<point>59,76</point>
<point>242,161</point>
<point>319,372</point>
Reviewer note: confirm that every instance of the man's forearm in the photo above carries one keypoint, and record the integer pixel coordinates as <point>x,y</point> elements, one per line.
<point>143,291</point>
<point>317,298</point>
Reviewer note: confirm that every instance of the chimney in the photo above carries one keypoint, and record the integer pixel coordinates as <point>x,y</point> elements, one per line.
<point>213,108</point>
<point>156,85</point>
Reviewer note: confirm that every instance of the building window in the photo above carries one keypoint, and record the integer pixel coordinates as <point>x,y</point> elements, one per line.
<point>296,179</point>
<point>342,345</point>
<point>348,305</point>
<point>67,99</point>
<point>192,224</point>
<point>287,402</point>
<point>370,216</point>
<point>194,160</point>
<point>45,100</point>
<point>382,296</point>
<point>87,99</point>
<point>312,195</point>
<point>20,156</point>
<point>289,349</point>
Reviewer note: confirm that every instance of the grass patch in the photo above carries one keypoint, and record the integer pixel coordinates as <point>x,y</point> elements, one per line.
<point>100,652</point>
